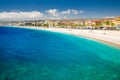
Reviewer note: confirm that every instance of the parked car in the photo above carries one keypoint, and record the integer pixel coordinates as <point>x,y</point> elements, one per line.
<point>118,27</point>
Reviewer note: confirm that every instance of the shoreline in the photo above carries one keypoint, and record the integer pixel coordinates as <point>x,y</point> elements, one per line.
<point>105,36</point>
<point>87,34</point>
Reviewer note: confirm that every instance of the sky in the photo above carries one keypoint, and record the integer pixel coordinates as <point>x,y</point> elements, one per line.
<point>55,9</point>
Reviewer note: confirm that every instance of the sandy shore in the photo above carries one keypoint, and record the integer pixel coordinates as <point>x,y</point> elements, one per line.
<point>111,37</point>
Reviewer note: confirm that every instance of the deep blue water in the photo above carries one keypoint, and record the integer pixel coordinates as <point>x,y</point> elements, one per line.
<point>27,54</point>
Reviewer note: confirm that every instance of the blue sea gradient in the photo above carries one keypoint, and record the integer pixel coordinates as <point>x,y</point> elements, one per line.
<point>27,54</point>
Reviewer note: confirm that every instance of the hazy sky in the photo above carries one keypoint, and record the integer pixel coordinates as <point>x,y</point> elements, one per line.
<point>59,8</point>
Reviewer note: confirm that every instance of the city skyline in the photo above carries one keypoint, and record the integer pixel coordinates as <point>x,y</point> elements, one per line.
<point>52,9</point>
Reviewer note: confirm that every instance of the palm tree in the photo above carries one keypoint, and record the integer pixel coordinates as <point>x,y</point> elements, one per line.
<point>98,25</point>
<point>93,26</point>
<point>112,24</point>
<point>107,23</point>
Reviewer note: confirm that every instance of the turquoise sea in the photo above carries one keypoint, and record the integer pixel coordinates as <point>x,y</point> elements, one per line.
<point>27,54</point>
